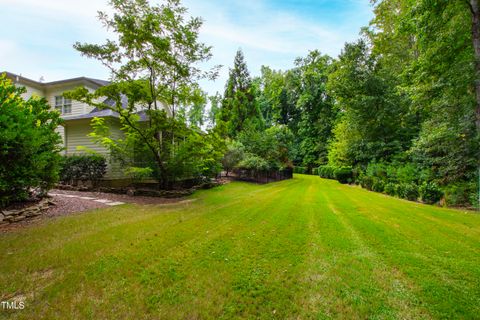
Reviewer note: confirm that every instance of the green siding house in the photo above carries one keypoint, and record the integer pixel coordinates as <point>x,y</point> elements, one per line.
<point>77,116</point>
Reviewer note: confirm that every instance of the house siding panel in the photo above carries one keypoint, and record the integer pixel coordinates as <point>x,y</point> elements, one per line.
<point>77,135</point>
<point>74,133</point>
<point>78,108</point>
<point>31,92</point>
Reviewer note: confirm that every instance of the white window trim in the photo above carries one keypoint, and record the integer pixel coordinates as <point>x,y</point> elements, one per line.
<point>62,103</point>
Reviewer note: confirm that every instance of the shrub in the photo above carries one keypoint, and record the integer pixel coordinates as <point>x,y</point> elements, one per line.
<point>357,172</point>
<point>389,189</point>
<point>29,145</point>
<point>378,185</point>
<point>400,190</point>
<point>300,170</point>
<point>344,174</point>
<point>366,182</point>
<point>408,173</point>
<point>377,170</point>
<point>315,171</point>
<point>461,194</point>
<point>234,154</point>
<point>138,174</point>
<point>430,192</point>
<point>407,191</point>
<point>253,162</point>
<point>411,192</point>
<point>326,172</point>
<point>91,167</point>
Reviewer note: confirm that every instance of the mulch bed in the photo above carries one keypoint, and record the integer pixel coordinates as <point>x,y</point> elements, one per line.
<point>66,206</point>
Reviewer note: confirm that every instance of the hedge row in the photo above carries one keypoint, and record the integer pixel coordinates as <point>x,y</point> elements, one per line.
<point>342,174</point>
<point>83,168</point>
<point>427,192</point>
<point>300,170</point>
<point>304,170</point>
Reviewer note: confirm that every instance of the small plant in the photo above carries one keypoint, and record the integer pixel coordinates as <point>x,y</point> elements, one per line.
<point>253,162</point>
<point>461,194</point>
<point>234,154</point>
<point>137,174</point>
<point>400,190</point>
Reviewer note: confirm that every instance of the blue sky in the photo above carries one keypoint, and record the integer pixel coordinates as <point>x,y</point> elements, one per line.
<point>40,33</point>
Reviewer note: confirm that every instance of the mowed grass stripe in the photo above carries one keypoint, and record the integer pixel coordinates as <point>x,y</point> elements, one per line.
<point>305,248</point>
<point>347,278</point>
<point>446,273</point>
<point>103,229</point>
<point>130,232</point>
<point>212,260</point>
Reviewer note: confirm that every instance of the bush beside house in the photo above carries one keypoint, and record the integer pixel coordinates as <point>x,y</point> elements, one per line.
<point>86,168</point>
<point>29,145</point>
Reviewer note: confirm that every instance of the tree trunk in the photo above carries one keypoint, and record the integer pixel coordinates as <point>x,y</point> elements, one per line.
<point>475,9</point>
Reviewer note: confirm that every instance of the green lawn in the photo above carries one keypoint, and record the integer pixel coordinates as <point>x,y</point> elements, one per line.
<point>298,249</point>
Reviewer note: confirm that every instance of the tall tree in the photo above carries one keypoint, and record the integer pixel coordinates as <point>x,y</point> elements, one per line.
<point>154,64</point>
<point>315,106</point>
<point>374,116</point>
<point>272,96</point>
<point>444,84</point>
<point>215,106</point>
<point>239,107</point>
<point>475,11</point>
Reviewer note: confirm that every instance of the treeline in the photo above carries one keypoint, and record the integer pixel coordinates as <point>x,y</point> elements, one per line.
<point>397,112</point>
<point>397,106</point>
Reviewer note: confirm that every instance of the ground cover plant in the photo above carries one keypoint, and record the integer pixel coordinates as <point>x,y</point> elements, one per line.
<point>301,248</point>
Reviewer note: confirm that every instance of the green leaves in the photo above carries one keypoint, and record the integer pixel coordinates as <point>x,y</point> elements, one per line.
<point>239,109</point>
<point>154,64</point>
<point>29,144</point>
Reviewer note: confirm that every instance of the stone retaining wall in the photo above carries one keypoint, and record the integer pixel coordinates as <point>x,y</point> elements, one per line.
<point>16,215</point>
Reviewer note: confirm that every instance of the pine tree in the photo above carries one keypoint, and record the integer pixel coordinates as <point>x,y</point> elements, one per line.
<point>239,109</point>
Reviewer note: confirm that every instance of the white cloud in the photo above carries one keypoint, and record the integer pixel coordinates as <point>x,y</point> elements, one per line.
<point>271,36</point>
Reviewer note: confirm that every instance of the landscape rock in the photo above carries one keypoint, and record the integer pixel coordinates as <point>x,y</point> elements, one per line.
<point>12,216</point>
<point>8,213</point>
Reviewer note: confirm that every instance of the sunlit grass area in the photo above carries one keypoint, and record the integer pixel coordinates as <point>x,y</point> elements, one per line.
<point>302,248</point>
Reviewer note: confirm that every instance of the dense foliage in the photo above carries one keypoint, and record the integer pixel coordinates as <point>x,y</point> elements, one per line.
<point>239,110</point>
<point>397,112</point>
<point>154,64</point>
<point>29,145</point>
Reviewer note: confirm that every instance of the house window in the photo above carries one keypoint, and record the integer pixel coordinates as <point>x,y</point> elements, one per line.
<point>63,105</point>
